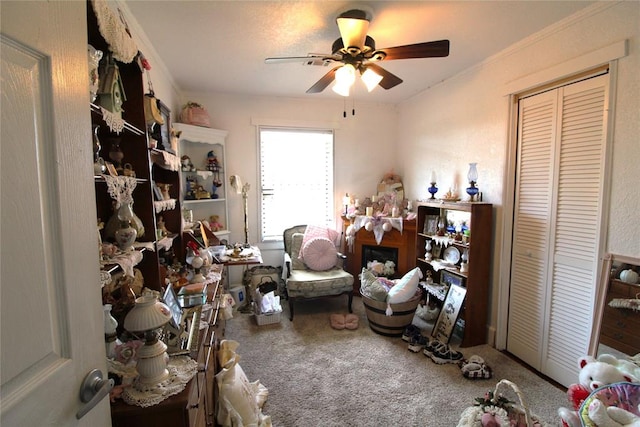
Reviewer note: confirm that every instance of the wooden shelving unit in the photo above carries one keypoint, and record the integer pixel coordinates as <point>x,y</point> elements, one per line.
<point>476,278</point>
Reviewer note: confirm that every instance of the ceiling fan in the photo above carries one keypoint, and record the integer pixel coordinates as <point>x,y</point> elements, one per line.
<point>357,53</point>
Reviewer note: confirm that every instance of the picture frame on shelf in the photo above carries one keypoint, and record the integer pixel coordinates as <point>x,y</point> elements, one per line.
<point>448,278</point>
<point>162,133</point>
<point>157,193</point>
<point>451,307</point>
<point>430,224</point>
<point>111,169</point>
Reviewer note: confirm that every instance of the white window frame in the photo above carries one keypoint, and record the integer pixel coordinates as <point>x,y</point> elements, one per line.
<point>300,208</point>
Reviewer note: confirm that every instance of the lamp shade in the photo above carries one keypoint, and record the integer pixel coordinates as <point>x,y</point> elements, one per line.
<point>371,79</point>
<point>147,314</point>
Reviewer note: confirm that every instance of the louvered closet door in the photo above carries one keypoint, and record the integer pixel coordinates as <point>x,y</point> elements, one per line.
<point>557,226</point>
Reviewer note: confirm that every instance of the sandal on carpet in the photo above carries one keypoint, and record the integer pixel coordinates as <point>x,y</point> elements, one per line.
<point>351,321</point>
<point>337,321</point>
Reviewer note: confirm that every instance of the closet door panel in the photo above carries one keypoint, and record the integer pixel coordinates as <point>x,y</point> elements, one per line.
<point>576,225</point>
<point>531,227</point>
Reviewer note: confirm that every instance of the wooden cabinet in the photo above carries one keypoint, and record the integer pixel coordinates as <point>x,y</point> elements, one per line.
<point>195,406</point>
<point>203,182</point>
<point>478,217</point>
<point>621,325</point>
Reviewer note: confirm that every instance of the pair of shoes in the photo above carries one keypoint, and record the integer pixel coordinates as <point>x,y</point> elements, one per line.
<point>417,343</point>
<point>431,346</point>
<point>410,332</point>
<point>444,354</point>
<point>342,321</point>
<point>475,368</point>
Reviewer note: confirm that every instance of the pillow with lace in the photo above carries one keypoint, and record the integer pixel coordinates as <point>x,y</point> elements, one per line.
<point>320,254</point>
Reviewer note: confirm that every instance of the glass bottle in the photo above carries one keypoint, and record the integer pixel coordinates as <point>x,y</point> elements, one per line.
<point>110,335</point>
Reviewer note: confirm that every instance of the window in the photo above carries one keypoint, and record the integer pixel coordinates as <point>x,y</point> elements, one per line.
<point>296,179</point>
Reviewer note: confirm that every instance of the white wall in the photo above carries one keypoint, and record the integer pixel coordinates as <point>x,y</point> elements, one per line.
<point>365,146</point>
<point>466,118</point>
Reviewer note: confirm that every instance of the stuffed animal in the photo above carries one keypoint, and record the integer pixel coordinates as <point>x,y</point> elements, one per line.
<point>214,223</point>
<point>611,416</point>
<point>593,374</point>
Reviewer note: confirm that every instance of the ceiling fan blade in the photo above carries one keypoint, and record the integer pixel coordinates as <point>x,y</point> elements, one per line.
<point>325,81</point>
<point>433,49</point>
<point>389,80</point>
<point>308,58</point>
<point>353,26</point>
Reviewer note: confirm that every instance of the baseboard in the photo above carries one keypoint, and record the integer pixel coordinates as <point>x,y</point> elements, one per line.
<point>491,336</point>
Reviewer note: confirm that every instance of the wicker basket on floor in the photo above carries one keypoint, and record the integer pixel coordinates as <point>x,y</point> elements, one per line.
<point>517,414</point>
<point>394,325</point>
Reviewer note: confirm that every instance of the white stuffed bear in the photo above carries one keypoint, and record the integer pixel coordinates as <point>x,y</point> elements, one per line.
<point>626,366</point>
<point>593,374</point>
<point>612,416</point>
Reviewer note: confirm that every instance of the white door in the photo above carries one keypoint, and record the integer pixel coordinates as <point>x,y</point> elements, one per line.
<point>558,226</point>
<point>51,316</point>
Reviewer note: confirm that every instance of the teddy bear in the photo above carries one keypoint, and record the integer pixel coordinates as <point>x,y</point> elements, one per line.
<point>593,374</point>
<point>214,223</point>
<point>612,416</point>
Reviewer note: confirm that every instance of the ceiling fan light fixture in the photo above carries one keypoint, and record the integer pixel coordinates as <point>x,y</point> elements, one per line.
<point>345,77</point>
<point>371,79</point>
<point>353,30</point>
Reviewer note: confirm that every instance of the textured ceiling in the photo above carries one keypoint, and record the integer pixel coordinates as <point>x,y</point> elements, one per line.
<point>220,46</point>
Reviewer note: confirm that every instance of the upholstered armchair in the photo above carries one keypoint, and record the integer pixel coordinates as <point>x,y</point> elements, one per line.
<point>320,272</point>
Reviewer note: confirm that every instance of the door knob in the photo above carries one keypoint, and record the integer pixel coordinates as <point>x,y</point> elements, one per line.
<point>92,390</point>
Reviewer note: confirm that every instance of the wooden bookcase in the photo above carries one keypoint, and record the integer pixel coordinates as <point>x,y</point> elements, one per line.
<point>476,278</point>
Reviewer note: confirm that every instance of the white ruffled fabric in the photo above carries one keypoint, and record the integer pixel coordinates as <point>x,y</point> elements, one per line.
<point>164,205</point>
<point>120,188</point>
<point>115,33</point>
<point>115,122</point>
<point>181,370</point>
<point>378,224</point>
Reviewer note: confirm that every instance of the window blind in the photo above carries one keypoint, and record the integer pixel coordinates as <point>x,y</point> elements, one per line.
<point>296,179</point>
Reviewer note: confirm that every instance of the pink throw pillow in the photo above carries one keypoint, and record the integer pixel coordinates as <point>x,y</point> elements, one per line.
<point>313,231</point>
<point>319,254</point>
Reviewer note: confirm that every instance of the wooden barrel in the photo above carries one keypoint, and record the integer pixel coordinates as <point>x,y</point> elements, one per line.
<point>394,325</point>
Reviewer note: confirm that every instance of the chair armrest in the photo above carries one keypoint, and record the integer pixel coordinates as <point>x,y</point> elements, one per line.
<point>286,266</point>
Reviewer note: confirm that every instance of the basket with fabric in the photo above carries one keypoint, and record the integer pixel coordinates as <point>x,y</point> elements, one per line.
<point>495,409</point>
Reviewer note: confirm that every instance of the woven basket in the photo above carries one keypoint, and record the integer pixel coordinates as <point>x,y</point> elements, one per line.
<point>518,412</point>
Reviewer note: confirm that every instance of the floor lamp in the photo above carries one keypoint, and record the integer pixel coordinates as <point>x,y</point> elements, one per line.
<point>236,184</point>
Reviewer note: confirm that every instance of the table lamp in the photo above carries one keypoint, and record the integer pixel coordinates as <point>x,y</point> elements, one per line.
<point>146,317</point>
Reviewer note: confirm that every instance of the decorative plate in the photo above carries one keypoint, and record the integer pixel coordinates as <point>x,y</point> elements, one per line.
<point>451,254</point>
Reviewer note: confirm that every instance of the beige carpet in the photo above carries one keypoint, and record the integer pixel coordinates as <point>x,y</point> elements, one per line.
<point>318,376</point>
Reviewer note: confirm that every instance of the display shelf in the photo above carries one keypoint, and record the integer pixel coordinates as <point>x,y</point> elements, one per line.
<point>479,219</point>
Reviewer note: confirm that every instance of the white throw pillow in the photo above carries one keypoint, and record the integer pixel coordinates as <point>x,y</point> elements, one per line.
<point>320,254</point>
<point>405,288</point>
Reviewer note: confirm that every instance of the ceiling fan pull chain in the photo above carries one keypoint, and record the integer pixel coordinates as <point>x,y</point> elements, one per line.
<point>353,108</point>
<point>344,113</point>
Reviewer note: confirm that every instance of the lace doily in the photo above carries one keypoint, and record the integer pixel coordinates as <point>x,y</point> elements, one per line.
<point>181,370</point>
<point>166,160</point>
<point>126,261</point>
<point>628,303</point>
<point>120,188</point>
<point>115,122</point>
<point>114,32</point>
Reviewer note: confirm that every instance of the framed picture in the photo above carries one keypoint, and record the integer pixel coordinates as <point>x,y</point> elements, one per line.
<point>430,224</point>
<point>171,300</point>
<point>448,278</point>
<point>449,313</point>
<point>162,133</point>
<point>111,169</point>
<point>157,193</point>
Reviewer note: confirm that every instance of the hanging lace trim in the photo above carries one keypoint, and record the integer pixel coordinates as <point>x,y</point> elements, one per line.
<point>164,205</point>
<point>181,370</point>
<point>114,32</point>
<point>629,303</point>
<point>115,122</point>
<point>120,188</point>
